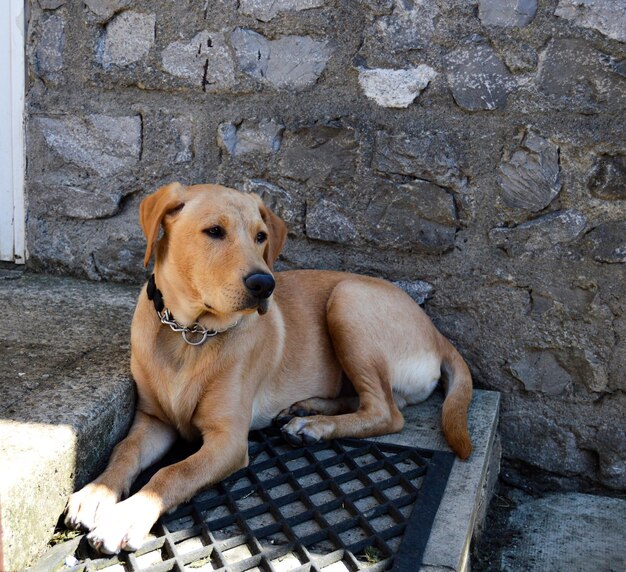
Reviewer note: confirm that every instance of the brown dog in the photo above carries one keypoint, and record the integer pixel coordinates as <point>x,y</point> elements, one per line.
<point>256,359</point>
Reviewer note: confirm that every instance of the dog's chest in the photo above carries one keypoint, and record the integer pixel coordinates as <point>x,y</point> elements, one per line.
<point>178,398</point>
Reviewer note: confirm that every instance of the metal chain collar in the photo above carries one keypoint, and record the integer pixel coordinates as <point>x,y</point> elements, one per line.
<point>167,319</point>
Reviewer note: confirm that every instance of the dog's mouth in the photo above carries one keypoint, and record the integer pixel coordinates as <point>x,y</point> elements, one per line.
<point>263,306</point>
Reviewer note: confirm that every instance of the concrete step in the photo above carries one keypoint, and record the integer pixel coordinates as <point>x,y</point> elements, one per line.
<point>66,398</point>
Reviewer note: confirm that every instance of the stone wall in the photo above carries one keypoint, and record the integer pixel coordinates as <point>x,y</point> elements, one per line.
<point>473,152</point>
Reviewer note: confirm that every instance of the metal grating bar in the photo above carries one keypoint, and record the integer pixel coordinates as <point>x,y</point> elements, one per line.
<point>339,506</point>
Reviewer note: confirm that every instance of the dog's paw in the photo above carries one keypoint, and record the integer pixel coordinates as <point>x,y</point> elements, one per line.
<point>88,504</point>
<point>295,410</point>
<point>125,526</point>
<point>307,430</point>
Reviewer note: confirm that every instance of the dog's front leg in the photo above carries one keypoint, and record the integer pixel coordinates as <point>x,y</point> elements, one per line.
<point>147,441</point>
<point>125,526</point>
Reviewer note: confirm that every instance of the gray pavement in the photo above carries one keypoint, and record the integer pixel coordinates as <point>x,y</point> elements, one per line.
<point>567,532</point>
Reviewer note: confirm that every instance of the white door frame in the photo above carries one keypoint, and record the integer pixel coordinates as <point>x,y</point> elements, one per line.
<point>12,82</point>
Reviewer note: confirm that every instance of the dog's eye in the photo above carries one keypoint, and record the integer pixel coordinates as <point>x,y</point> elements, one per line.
<point>261,237</point>
<point>215,232</point>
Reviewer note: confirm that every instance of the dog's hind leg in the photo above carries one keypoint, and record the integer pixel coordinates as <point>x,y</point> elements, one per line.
<point>353,311</point>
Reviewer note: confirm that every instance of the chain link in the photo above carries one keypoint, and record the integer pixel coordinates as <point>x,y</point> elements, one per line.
<point>168,320</point>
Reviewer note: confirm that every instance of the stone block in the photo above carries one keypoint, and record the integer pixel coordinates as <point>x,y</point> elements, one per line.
<point>249,136</point>
<point>127,39</point>
<point>607,179</point>
<point>49,50</point>
<point>429,156</point>
<point>102,144</point>
<point>409,26</point>
<point>266,11</point>
<point>290,62</point>
<point>539,371</point>
<point>204,61</point>
<point>579,77</point>
<point>478,78</point>
<point>607,242</point>
<point>417,215</point>
<point>529,435</point>
<point>540,234</point>
<point>319,154</point>
<point>530,177</point>
<point>395,88</point>
<point>419,290</point>
<point>103,10</point>
<point>276,198</point>
<point>507,13</point>
<point>75,202</point>
<point>51,4</point>
<point>606,16</point>
<point>327,221</point>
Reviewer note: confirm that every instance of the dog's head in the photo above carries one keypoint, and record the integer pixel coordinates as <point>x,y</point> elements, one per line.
<point>217,250</point>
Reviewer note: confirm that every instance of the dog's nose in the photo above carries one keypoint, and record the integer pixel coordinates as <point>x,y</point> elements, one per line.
<point>260,285</point>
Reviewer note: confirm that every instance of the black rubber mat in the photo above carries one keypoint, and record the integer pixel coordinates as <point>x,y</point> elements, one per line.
<point>336,506</point>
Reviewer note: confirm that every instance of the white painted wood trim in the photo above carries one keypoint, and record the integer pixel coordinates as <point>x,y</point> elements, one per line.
<point>12,162</point>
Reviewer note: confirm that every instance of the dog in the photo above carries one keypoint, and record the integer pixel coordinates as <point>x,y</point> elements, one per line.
<point>220,345</point>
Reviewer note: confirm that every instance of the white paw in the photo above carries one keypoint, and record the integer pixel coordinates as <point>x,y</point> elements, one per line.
<point>125,526</point>
<point>88,504</point>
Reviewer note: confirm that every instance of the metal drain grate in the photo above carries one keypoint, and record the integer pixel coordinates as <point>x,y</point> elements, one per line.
<point>336,506</point>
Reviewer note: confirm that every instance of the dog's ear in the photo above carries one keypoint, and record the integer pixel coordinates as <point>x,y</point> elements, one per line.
<point>277,231</point>
<point>154,208</point>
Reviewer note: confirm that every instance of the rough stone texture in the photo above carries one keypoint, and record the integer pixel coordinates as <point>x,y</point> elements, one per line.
<point>576,75</point>
<point>266,11</point>
<point>51,4</point>
<point>507,281</point>
<point>67,398</point>
<point>250,137</point>
<point>606,16</point>
<point>478,78</point>
<point>395,88</point>
<point>530,176</point>
<point>417,215</point>
<point>540,371</point>
<point>99,143</point>
<point>326,221</point>
<point>419,290</point>
<point>277,199</point>
<point>127,38</point>
<point>409,26</point>
<point>291,62</point>
<point>607,242</point>
<point>104,10</point>
<point>49,52</point>
<point>429,156</point>
<point>205,60</point>
<point>322,153</point>
<point>507,13</point>
<point>540,234</point>
<point>566,533</point>
<point>608,178</point>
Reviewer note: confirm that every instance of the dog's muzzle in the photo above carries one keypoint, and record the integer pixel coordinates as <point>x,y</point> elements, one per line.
<point>260,287</point>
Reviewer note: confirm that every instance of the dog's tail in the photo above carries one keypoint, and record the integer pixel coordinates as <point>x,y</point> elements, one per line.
<point>458,384</point>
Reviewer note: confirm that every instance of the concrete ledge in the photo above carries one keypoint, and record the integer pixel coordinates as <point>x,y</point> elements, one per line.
<point>471,483</point>
<point>66,398</point>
